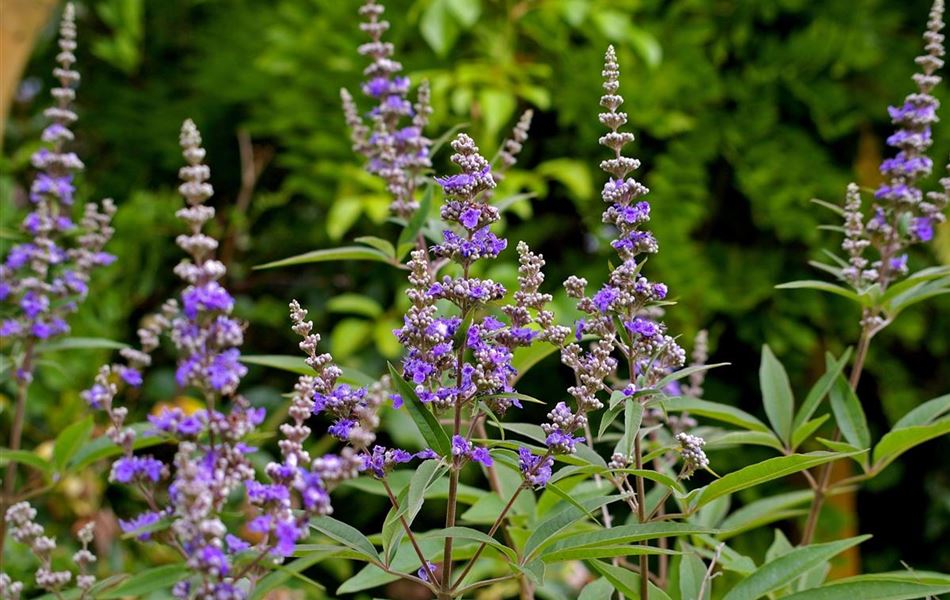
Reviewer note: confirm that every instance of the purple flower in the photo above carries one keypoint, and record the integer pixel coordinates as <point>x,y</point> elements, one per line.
<point>535,469</point>
<point>235,544</point>
<point>286,534</point>
<point>139,522</point>
<point>605,297</point>
<point>34,304</point>
<point>341,429</point>
<point>423,574</point>
<point>923,229</point>
<point>190,426</point>
<point>225,371</point>
<point>131,376</point>
<point>481,455</point>
<point>130,468</point>
<point>641,326</point>
<point>460,446</point>
<point>208,297</point>
<point>470,217</point>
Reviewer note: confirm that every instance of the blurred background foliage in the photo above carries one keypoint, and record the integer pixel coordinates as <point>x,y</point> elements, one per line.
<point>744,111</point>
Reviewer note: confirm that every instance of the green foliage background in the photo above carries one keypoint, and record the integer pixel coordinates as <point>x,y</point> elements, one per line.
<point>744,111</point>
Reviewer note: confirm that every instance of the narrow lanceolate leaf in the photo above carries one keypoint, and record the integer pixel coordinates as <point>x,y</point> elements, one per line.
<point>81,343</point>
<point>632,416</point>
<point>24,457</point>
<point>623,534</point>
<point>901,585</point>
<point>432,432</point>
<point>925,413</point>
<point>776,394</point>
<point>783,570</point>
<point>69,441</point>
<point>292,364</point>
<point>543,534</point>
<point>599,589</point>
<point>849,414</point>
<point>692,573</point>
<point>466,533</point>
<point>329,254</point>
<point>346,535</point>
<point>753,475</point>
<point>625,581</point>
<point>712,410</point>
<point>821,388</point>
<point>147,581</point>
<point>384,246</point>
<point>761,512</point>
<point>686,372</point>
<point>903,439</point>
<point>823,286</point>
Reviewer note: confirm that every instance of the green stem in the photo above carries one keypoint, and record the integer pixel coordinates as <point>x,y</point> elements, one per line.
<point>412,538</point>
<point>824,478</point>
<point>16,435</point>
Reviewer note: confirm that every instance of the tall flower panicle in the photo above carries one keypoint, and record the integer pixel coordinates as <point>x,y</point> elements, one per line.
<point>511,148</point>
<point>902,214</point>
<point>393,142</point>
<point>623,313</point>
<point>42,281</point>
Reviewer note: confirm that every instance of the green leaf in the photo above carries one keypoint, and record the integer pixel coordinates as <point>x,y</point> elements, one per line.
<point>298,365</point>
<point>25,457</point>
<point>713,410</point>
<point>776,394</point>
<point>466,533</point>
<point>356,304</point>
<point>599,589</point>
<point>528,356</point>
<point>806,429</point>
<point>282,573</point>
<point>466,12</point>
<point>328,255</point>
<point>632,416</point>
<point>384,246</point>
<point>692,572</point>
<point>81,343</point>
<point>757,438</point>
<point>346,535</point>
<point>885,586</point>
<point>407,238</point>
<point>544,532</point>
<point>410,501</point>
<point>820,389</point>
<point>103,447</point>
<point>849,414</point>
<point>925,413</point>
<point>823,286</point>
<point>753,475</point>
<point>761,512</point>
<point>147,581</point>
<point>686,372</point>
<point>432,432</point>
<point>777,573</point>
<point>626,582</point>
<point>69,441</point>
<point>898,441</point>
<point>439,29</point>
<point>620,535</point>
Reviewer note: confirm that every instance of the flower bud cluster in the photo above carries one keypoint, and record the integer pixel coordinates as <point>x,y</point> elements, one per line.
<point>395,152</point>
<point>21,519</point>
<point>44,280</point>
<point>691,449</point>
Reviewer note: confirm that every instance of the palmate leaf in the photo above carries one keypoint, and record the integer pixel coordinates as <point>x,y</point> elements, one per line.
<point>781,571</point>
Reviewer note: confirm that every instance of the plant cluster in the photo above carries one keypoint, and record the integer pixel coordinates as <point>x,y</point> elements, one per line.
<point>616,481</point>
